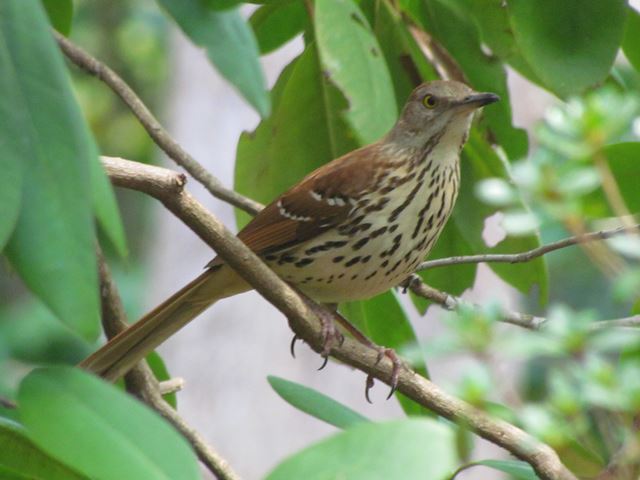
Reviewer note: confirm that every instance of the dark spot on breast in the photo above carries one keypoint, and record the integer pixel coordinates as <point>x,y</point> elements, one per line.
<point>353,277</point>
<point>378,232</point>
<point>304,262</point>
<point>360,243</point>
<point>270,257</point>
<point>338,259</point>
<point>393,228</point>
<point>371,275</point>
<point>366,259</point>
<point>353,261</point>
<point>286,258</point>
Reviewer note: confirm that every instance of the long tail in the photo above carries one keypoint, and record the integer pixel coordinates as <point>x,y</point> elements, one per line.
<point>123,351</point>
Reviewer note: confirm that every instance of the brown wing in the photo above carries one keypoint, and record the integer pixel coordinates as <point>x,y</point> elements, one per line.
<point>321,201</point>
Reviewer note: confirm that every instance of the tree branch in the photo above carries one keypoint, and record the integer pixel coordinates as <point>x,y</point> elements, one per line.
<point>306,325</point>
<point>142,383</point>
<point>531,254</point>
<point>155,130</point>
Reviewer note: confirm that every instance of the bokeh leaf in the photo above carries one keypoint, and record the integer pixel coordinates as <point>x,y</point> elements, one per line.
<point>353,61</point>
<point>21,459</point>
<point>315,403</point>
<point>516,469</point>
<point>229,43</point>
<point>275,24</point>
<point>412,449</point>
<point>99,430</point>
<point>383,320</point>
<point>631,39</point>
<point>52,247</point>
<point>570,45</point>
<point>60,14</point>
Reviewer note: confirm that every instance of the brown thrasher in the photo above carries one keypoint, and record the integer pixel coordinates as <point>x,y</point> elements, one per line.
<point>351,229</point>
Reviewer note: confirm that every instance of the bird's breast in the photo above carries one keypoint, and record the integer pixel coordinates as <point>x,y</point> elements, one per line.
<point>385,237</point>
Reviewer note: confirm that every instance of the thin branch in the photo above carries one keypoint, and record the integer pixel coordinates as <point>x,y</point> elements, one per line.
<point>153,127</point>
<point>524,320</point>
<point>142,383</point>
<point>531,254</point>
<point>306,325</point>
<point>172,385</point>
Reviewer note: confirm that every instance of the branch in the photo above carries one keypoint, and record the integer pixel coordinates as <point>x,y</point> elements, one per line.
<point>306,325</point>
<point>142,383</point>
<point>531,254</point>
<point>155,130</point>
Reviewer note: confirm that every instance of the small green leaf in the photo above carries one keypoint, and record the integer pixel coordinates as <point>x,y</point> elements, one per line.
<point>353,60</point>
<point>275,24</point>
<point>60,14</point>
<point>21,459</point>
<point>517,469</point>
<point>99,430</point>
<point>569,44</point>
<point>383,320</point>
<point>52,246</point>
<point>631,39</point>
<point>413,449</point>
<point>229,43</point>
<point>315,403</point>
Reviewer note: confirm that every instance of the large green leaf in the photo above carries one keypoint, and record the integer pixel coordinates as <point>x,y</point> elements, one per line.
<point>631,39</point>
<point>383,320</point>
<point>479,161</point>
<point>52,247</point>
<point>572,44</point>
<point>413,449</point>
<point>304,132</point>
<point>315,403</point>
<point>21,459</point>
<point>229,43</point>
<point>462,39</point>
<point>100,431</point>
<point>60,14</point>
<point>352,59</point>
<point>277,23</point>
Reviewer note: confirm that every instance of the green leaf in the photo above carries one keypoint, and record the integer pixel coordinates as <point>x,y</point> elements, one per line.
<point>60,14</point>
<point>383,320</point>
<point>21,459</point>
<point>315,403</point>
<point>478,162</point>
<point>462,39</point>
<point>275,24</point>
<point>352,59</point>
<point>570,45</point>
<point>229,43</point>
<point>303,133</point>
<point>413,449</point>
<point>516,469</point>
<point>159,369</point>
<point>52,246</point>
<point>99,430</point>
<point>631,39</point>
<point>105,206</point>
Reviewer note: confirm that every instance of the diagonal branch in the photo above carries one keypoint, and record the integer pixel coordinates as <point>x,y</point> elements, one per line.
<point>142,383</point>
<point>306,325</point>
<point>153,127</point>
<point>530,254</point>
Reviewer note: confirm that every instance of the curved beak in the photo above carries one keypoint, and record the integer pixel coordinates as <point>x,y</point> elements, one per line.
<point>478,100</point>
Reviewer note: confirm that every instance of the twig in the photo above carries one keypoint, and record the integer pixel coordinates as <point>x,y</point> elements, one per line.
<point>306,325</point>
<point>142,383</point>
<point>524,320</point>
<point>531,254</point>
<point>172,385</point>
<point>155,130</point>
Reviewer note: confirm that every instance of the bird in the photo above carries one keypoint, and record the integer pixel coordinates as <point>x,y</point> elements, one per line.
<point>353,228</point>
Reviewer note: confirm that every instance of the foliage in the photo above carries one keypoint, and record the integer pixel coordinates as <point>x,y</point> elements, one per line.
<point>579,392</point>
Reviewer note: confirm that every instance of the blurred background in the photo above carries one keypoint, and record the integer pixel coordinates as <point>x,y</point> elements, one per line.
<point>226,355</point>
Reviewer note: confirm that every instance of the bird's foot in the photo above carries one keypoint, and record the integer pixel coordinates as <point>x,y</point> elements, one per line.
<point>397,364</point>
<point>330,334</point>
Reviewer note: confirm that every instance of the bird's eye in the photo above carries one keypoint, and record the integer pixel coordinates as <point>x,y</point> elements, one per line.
<point>429,101</point>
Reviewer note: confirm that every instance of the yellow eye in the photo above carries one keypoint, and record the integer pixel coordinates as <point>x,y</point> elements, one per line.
<point>429,101</point>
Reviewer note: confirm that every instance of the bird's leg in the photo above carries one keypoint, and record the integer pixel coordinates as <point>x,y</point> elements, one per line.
<point>382,352</point>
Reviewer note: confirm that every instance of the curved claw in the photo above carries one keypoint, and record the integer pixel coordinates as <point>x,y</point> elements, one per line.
<point>324,364</point>
<point>368,387</point>
<point>292,347</point>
